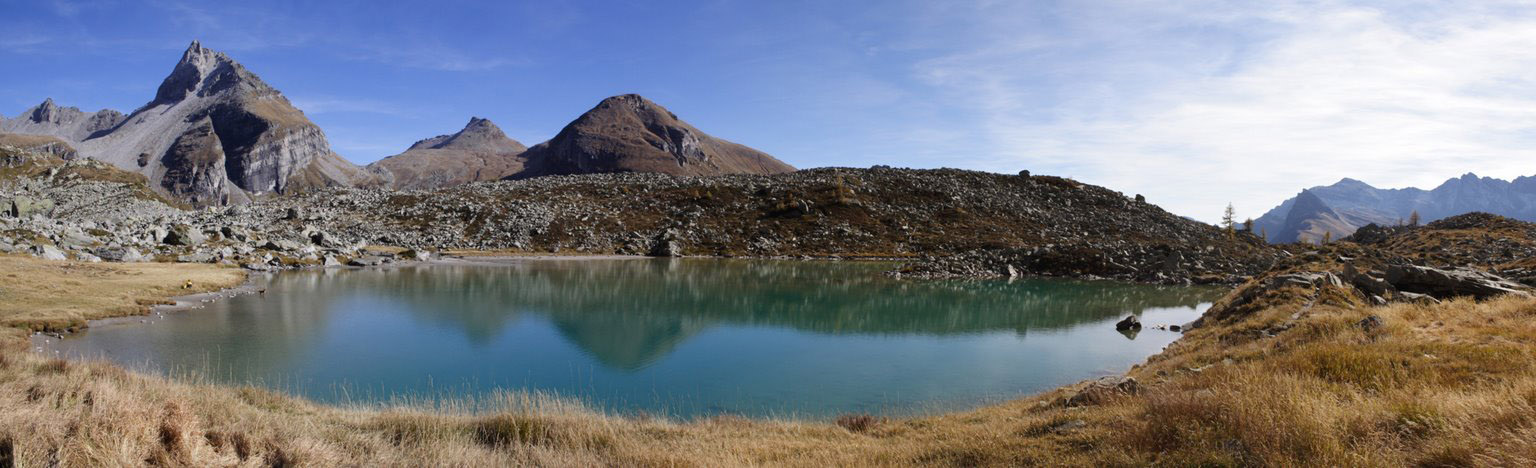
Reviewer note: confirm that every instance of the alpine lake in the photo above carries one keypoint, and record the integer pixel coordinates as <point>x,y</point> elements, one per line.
<point>685,338</point>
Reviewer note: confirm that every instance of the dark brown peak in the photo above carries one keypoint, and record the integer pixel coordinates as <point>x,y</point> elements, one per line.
<point>429,143</point>
<point>634,103</point>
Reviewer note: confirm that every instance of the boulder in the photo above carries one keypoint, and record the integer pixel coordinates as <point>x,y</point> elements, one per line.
<point>1446,283</point>
<point>282,245</point>
<point>1130,322</point>
<point>48,252</point>
<point>368,260</point>
<point>235,233</point>
<point>183,235</point>
<point>197,257</point>
<point>1371,323</point>
<point>119,254</point>
<point>23,207</point>
<point>667,248</point>
<point>416,255</point>
<point>75,238</point>
<point>1097,391</point>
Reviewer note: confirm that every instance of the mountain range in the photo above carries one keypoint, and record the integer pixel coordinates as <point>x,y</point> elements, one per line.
<point>216,134</point>
<point>1339,209</point>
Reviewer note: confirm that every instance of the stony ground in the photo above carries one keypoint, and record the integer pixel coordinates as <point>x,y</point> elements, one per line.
<point>1297,367</point>
<point>994,224</point>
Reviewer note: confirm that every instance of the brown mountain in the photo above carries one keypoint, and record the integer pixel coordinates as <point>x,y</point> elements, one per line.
<point>630,133</point>
<point>479,152</point>
<point>214,134</point>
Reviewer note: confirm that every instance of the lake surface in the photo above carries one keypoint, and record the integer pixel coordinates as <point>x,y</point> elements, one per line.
<point>681,337</point>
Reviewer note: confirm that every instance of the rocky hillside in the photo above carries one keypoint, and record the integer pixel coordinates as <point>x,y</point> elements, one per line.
<point>1488,242</point>
<point>214,134</point>
<point>39,144</point>
<point>479,152</point>
<point>1347,205</point>
<point>1054,226</point>
<point>630,133</point>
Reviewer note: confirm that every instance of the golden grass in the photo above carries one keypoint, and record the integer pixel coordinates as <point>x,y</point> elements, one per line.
<point>1452,384</point>
<point>44,295</point>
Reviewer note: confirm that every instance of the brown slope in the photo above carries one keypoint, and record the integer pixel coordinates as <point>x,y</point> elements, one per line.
<point>39,143</point>
<point>479,152</point>
<point>630,133</point>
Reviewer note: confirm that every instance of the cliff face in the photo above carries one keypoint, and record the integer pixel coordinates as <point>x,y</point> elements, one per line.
<point>630,133</point>
<point>214,134</point>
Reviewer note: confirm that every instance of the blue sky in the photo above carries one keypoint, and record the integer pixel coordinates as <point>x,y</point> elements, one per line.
<point>1194,104</point>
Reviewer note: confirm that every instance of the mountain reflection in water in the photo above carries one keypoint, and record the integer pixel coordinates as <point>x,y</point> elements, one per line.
<point>627,315</point>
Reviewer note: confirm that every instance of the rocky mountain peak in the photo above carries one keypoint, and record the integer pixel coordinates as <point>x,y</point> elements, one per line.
<point>1349,182</point>
<point>629,133</point>
<point>48,112</point>
<point>480,134</point>
<point>206,72</point>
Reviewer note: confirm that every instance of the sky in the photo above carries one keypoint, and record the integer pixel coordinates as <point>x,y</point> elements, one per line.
<point>1195,104</point>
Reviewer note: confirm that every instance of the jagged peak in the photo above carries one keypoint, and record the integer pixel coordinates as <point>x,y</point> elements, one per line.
<point>205,71</point>
<point>49,111</point>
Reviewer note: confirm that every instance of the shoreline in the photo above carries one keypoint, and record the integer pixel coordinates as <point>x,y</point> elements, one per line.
<point>252,285</point>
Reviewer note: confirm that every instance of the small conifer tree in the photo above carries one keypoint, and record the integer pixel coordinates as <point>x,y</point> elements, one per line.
<point>1227,221</point>
<point>1413,219</point>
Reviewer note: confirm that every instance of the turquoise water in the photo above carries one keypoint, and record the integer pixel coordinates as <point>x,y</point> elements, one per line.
<point>681,337</point>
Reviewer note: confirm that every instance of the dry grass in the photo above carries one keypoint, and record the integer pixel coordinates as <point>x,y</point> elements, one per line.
<point>44,295</point>
<point>1442,385</point>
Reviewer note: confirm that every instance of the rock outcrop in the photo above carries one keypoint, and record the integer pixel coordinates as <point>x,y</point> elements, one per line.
<point>479,152</point>
<point>214,134</point>
<point>630,133</point>
<point>45,144</point>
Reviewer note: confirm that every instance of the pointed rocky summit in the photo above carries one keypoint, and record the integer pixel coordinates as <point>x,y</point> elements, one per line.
<point>630,133</point>
<point>214,134</point>
<point>479,152</point>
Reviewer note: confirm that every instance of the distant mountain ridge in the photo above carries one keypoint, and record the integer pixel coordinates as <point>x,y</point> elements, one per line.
<point>479,152</point>
<point>626,133</point>
<point>1349,204</point>
<point>214,134</point>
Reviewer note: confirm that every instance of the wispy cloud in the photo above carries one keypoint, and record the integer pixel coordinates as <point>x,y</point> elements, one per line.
<point>1316,94</point>
<point>316,105</point>
<point>22,43</point>
<point>432,57</point>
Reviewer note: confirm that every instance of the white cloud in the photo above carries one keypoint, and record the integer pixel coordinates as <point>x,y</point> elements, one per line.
<point>1277,99</point>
